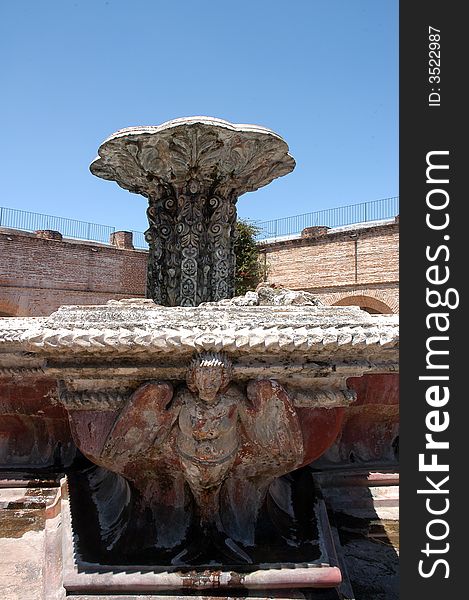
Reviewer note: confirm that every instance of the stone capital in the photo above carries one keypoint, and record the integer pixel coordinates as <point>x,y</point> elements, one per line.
<point>192,171</point>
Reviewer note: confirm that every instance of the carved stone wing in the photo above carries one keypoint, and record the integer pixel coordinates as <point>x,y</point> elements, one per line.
<point>144,423</point>
<point>270,420</point>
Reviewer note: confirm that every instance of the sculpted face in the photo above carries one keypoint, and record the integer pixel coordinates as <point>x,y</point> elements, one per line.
<point>208,382</point>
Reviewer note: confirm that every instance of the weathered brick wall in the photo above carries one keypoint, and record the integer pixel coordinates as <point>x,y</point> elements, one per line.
<point>39,275</point>
<point>358,266</point>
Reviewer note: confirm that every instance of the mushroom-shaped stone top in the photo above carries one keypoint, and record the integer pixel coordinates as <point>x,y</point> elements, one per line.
<point>235,158</point>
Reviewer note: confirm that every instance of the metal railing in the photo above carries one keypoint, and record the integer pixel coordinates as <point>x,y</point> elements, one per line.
<point>375,210</point>
<point>70,228</point>
<point>139,240</point>
<point>276,228</point>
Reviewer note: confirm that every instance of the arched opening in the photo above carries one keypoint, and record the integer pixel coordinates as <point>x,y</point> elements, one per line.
<point>371,305</point>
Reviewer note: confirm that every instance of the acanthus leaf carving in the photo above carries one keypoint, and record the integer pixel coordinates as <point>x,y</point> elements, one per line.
<point>202,165</point>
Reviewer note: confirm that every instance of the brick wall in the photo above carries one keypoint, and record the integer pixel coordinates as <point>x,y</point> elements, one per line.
<point>39,275</point>
<point>356,266</point>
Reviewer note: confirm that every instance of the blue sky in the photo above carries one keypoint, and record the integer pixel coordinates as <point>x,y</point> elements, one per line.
<point>321,73</point>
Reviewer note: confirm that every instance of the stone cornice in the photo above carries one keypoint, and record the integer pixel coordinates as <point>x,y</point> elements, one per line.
<point>140,326</point>
<point>124,342</point>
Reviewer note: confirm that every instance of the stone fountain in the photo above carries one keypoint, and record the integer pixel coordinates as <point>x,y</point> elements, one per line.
<point>199,411</point>
<point>192,171</point>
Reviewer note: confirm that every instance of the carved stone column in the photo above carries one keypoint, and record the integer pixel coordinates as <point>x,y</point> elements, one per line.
<point>191,239</point>
<point>192,171</point>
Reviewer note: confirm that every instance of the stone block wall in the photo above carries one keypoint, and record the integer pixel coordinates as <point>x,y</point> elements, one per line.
<point>38,275</point>
<point>357,266</point>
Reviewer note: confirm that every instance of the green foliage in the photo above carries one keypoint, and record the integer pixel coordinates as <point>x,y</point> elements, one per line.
<point>249,272</point>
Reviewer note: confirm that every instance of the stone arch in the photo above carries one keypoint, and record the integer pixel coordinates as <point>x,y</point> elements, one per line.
<point>368,303</point>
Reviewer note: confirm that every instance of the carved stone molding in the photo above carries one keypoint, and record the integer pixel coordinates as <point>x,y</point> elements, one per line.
<point>322,398</point>
<point>310,349</point>
<point>21,371</point>
<point>274,340</point>
<point>97,400</point>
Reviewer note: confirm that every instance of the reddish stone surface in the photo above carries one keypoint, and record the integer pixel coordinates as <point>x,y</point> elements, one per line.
<point>29,441</point>
<point>33,423</point>
<point>226,444</point>
<point>34,429</point>
<point>320,428</point>
<point>90,429</point>
<point>377,388</point>
<point>32,397</point>
<point>370,431</point>
<point>34,426</point>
